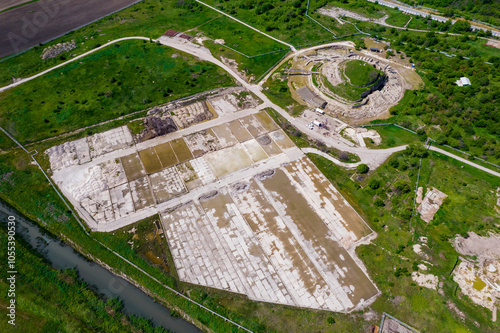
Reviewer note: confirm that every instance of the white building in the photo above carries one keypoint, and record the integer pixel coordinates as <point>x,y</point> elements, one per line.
<point>463,82</point>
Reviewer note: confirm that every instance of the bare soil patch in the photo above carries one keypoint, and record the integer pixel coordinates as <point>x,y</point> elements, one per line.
<point>60,17</point>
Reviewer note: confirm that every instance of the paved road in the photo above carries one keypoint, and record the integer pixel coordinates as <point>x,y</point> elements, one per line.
<point>463,160</point>
<point>413,11</point>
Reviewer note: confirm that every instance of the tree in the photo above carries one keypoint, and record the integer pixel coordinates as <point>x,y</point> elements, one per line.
<point>362,168</point>
<point>379,202</point>
<point>374,184</point>
<point>416,150</point>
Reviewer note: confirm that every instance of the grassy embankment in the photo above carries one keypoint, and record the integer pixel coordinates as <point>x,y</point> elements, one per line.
<point>260,52</point>
<point>127,77</point>
<point>50,300</point>
<point>355,73</point>
<point>277,90</point>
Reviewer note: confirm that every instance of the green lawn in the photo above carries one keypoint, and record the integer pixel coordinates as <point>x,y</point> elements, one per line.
<point>113,82</point>
<point>392,136</point>
<point>344,90</point>
<point>360,73</point>
<point>398,19</point>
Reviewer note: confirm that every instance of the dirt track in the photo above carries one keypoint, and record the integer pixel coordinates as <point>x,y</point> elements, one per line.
<point>44,20</point>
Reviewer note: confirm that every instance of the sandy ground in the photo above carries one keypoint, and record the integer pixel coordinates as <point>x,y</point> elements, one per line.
<point>481,247</point>
<point>430,204</point>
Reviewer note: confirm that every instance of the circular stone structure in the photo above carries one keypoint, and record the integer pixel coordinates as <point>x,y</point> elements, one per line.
<point>354,85</point>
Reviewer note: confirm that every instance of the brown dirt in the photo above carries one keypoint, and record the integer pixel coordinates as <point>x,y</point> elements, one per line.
<point>181,150</point>
<point>225,136</point>
<point>150,160</point>
<point>141,193</point>
<point>482,247</point>
<point>58,18</point>
<point>239,131</point>
<point>166,154</point>
<point>269,146</point>
<point>268,223</point>
<point>253,125</point>
<point>132,166</point>
<point>314,230</point>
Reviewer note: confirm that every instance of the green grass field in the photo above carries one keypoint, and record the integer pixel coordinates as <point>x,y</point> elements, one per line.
<point>360,73</point>
<point>159,16</point>
<point>392,136</point>
<point>113,82</point>
<point>398,19</point>
<point>470,207</point>
<point>344,90</point>
<point>50,300</point>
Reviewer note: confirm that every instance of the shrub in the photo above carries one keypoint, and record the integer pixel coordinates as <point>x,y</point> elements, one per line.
<point>374,184</point>
<point>362,168</point>
<point>394,162</point>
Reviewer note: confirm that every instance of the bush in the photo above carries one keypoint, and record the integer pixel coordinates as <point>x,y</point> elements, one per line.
<point>362,168</point>
<point>379,202</point>
<point>374,184</point>
<point>402,186</point>
<point>416,150</point>
<point>343,156</point>
<point>330,320</point>
<point>394,162</point>
<point>401,271</point>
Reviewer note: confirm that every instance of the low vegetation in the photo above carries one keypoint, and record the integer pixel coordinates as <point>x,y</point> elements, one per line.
<point>385,199</point>
<point>119,80</point>
<point>50,300</point>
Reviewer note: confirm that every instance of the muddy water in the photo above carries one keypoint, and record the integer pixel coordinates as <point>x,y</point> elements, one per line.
<point>150,160</point>
<point>282,139</point>
<point>253,125</point>
<point>255,150</point>
<point>132,166</point>
<point>63,256</point>
<point>226,137</point>
<point>269,146</point>
<point>314,232</point>
<point>228,160</point>
<point>266,121</point>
